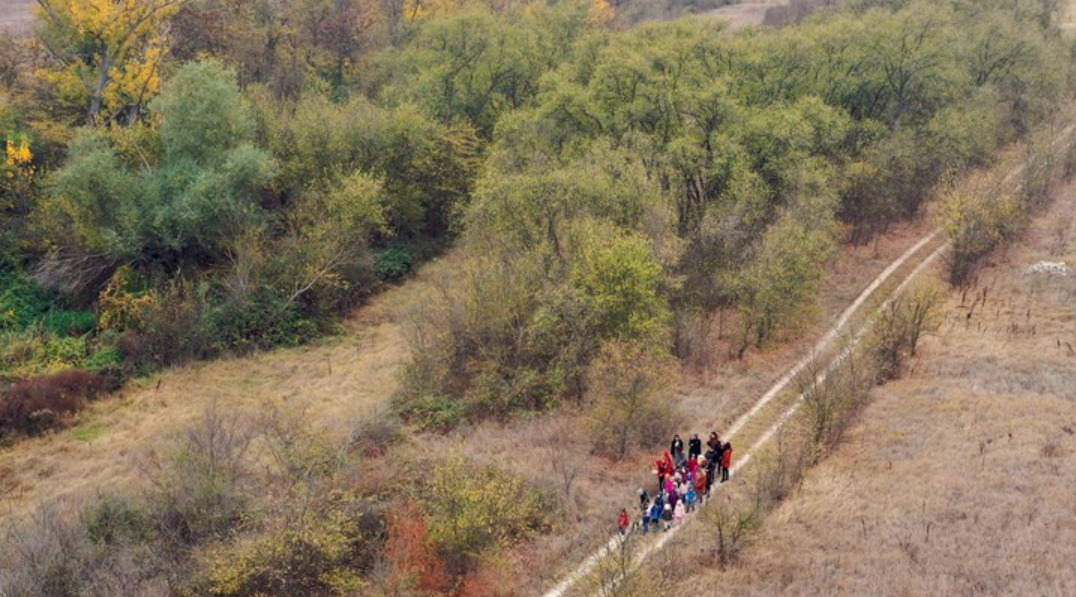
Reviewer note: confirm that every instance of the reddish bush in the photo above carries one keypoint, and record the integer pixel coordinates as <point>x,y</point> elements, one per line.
<point>38,404</point>
<point>413,561</point>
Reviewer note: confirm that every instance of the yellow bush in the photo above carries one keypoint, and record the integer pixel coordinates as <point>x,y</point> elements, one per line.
<point>471,509</point>
<point>320,552</point>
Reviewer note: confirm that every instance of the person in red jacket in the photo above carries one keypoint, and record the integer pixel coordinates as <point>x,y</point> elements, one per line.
<point>623,521</point>
<point>701,485</point>
<point>659,470</point>
<point>726,461</point>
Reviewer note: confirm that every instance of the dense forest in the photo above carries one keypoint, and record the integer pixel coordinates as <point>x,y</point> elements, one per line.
<point>186,179</point>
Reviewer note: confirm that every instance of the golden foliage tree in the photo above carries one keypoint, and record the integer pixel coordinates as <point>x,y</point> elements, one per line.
<point>105,54</point>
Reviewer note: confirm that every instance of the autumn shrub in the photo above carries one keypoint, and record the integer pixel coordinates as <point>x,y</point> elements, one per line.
<point>630,389</point>
<point>472,508</point>
<point>411,560</point>
<point>40,404</point>
<point>325,548</point>
<point>198,487</point>
<point>35,351</point>
<point>977,219</point>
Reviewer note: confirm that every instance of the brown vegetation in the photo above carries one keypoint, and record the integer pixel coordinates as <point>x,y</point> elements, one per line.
<point>39,404</point>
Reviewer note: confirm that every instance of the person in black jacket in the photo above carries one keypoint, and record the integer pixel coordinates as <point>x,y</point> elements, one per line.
<point>677,450</point>
<point>694,446</point>
<point>719,457</point>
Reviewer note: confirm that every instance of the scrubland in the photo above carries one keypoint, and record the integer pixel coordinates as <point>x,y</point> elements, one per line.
<point>604,235</point>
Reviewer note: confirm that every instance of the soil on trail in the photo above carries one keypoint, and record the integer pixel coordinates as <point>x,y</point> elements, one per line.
<point>16,16</point>
<point>744,14</point>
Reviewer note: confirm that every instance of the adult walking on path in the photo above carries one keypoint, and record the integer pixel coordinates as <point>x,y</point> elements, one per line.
<point>726,461</point>
<point>676,448</point>
<point>694,446</point>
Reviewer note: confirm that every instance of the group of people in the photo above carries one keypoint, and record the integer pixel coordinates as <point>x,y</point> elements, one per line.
<point>684,480</point>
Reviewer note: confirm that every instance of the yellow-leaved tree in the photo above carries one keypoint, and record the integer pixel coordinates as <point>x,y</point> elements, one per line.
<point>105,54</point>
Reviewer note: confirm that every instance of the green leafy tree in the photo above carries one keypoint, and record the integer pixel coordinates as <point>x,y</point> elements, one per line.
<point>186,206</point>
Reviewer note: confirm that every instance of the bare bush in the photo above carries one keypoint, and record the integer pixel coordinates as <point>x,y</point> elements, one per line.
<point>830,402</point>
<point>629,386</point>
<point>198,489</point>
<point>375,435</point>
<point>566,457</point>
<point>900,326</point>
<point>45,556</point>
<point>733,524</point>
<point>617,573</point>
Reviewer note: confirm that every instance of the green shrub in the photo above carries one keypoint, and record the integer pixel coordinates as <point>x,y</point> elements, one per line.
<point>112,519</point>
<point>69,323</point>
<point>263,320</point>
<point>393,263</point>
<point>21,301</point>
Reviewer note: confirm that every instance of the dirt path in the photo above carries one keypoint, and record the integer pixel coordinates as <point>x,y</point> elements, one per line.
<point>16,16</point>
<point>957,478</point>
<point>776,406</point>
<point>744,14</point>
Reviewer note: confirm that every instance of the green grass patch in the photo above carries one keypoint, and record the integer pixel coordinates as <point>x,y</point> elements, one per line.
<point>87,433</point>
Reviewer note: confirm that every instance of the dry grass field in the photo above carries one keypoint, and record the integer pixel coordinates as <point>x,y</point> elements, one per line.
<point>1068,15</point>
<point>335,383</point>
<point>958,479</point>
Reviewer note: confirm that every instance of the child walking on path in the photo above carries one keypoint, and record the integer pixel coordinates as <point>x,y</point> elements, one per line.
<point>678,514</point>
<point>690,498</point>
<point>623,521</point>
